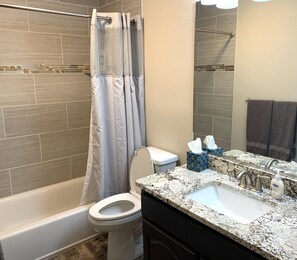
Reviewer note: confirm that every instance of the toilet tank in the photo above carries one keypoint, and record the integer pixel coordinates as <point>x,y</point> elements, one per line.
<point>162,160</point>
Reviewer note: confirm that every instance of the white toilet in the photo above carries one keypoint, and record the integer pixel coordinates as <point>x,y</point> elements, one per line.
<point>120,215</point>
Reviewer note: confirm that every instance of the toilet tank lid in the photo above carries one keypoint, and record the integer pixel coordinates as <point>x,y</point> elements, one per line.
<point>161,157</point>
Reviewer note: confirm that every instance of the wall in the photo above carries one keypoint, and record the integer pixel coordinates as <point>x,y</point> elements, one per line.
<point>128,6</point>
<point>44,95</point>
<point>214,74</point>
<point>169,61</point>
<point>265,66</point>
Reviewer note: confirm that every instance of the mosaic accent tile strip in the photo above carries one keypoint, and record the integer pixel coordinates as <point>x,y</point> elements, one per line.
<point>45,68</point>
<point>218,67</point>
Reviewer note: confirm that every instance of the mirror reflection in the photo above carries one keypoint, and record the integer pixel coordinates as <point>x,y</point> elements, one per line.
<point>257,64</point>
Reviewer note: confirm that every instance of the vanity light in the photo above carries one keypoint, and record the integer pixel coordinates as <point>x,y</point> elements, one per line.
<point>261,0</point>
<point>227,4</point>
<point>209,2</point>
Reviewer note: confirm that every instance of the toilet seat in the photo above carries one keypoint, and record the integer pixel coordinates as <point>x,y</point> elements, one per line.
<point>115,207</point>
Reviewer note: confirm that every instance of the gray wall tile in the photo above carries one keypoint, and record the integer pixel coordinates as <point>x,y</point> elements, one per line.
<point>16,89</point>
<point>206,23</point>
<point>203,11</point>
<point>218,52</point>
<point>202,124</point>
<point>225,144</point>
<point>59,24</point>
<point>93,3</point>
<point>11,19</point>
<point>215,105</point>
<point>76,49</point>
<point>34,119</point>
<point>204,81</point>
<point>19,151</point>
<point>39,175</point>
<point>132,7</point>
<point>62,87</point>
<point>226,23</point>
<point>102,2</point>
<point>29,48</point>
<point>2,135</point>
<point>79,114</point>
<point>79,165</point>
<point>114,7</point>
<point>224,81</point>
<point>222,128</point>
<point>64,144</point>
<point>4,184</point>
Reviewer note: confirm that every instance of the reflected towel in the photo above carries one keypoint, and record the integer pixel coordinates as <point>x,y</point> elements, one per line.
<point>282,131</point>
<point>258,126</point>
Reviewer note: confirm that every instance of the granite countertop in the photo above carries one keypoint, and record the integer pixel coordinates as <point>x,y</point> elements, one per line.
<point>273,235</point>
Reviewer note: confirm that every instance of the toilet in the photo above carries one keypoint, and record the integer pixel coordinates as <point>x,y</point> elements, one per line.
<point>120,215</point>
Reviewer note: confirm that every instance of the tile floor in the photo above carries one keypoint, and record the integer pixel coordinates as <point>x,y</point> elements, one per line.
<point>93,249</point>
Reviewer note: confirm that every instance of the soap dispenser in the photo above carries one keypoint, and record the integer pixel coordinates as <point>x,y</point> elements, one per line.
<point>277,186</point>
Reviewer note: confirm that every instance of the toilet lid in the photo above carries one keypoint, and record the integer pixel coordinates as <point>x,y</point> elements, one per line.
<point>141,166</point>
<point>115,207</point>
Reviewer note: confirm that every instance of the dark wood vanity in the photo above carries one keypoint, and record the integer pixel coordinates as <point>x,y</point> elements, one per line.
<point>171,234</point>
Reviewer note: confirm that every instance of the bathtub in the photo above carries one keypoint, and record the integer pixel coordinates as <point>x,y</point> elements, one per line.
<point>41,222</point>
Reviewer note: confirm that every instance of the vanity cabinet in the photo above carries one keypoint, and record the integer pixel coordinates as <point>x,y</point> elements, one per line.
<point>171,234</point>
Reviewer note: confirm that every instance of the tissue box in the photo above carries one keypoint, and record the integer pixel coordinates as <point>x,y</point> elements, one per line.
<point>197,162</point>
<point>217,152</point>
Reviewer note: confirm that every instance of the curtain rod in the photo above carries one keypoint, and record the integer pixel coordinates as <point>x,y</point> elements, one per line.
<point>231,34</point>
<point>41,10</point>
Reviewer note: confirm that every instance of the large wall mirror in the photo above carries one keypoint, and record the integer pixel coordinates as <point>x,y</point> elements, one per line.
<point>259,63</point>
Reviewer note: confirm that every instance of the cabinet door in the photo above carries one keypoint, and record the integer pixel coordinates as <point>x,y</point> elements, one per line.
<point>158,245</point>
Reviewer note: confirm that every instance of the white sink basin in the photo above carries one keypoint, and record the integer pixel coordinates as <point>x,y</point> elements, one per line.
<point>233,204</point>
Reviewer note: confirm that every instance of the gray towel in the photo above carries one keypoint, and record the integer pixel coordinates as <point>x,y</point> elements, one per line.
<point>282,131</point>
<point>258,126</point>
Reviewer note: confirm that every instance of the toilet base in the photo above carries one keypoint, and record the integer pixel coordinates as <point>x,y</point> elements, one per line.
<point>121,245</point>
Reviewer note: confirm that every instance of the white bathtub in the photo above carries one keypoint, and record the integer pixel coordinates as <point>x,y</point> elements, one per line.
<point>38,223</point>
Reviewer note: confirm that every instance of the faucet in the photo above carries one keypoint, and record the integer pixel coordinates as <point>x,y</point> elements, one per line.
<point>244,180</point>
<point>268,165</point>
<point>259,184</point>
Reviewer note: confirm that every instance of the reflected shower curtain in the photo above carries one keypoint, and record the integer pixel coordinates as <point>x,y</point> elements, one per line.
<point>117,126</point>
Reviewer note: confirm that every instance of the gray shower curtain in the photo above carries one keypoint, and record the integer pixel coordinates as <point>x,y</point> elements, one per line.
<point>117,124</point>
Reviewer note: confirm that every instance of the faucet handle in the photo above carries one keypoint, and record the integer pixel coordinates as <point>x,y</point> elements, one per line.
<point>258,186</point>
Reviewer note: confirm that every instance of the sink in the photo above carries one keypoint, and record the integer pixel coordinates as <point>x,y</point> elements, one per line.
<point>231,203</point>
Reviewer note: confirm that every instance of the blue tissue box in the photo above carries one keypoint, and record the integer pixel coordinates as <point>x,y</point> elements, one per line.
<point>217,152</point>
<point>197,162</point>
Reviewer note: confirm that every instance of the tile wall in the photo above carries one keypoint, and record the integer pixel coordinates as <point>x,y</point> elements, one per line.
<point>45,95</point>
<point>128,6</point>
<point>214,74</point>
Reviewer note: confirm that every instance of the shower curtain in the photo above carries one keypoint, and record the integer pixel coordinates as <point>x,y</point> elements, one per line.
<point>117,126</point>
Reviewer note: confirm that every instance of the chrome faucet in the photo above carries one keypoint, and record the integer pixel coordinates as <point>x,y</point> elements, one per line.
<point>268,165</point>
<point>245,180</point>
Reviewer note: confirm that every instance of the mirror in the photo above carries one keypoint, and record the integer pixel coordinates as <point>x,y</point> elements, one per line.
<point>263,54</point>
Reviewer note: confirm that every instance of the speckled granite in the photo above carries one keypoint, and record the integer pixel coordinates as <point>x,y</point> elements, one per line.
<point>273,235</point>
<point>232,167</point>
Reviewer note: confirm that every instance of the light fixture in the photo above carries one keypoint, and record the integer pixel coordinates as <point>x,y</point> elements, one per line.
<point>261,0</point>
<point>227,4</point>
<point>209,2</point>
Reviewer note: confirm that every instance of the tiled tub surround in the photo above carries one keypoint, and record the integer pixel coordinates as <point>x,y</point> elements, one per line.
<point>273,235</point>
<point>232,167</point>
<point>45,94</point>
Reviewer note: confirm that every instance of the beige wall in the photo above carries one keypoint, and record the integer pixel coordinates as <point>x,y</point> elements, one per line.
<point>265,63</point>
<point>169,62</point>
